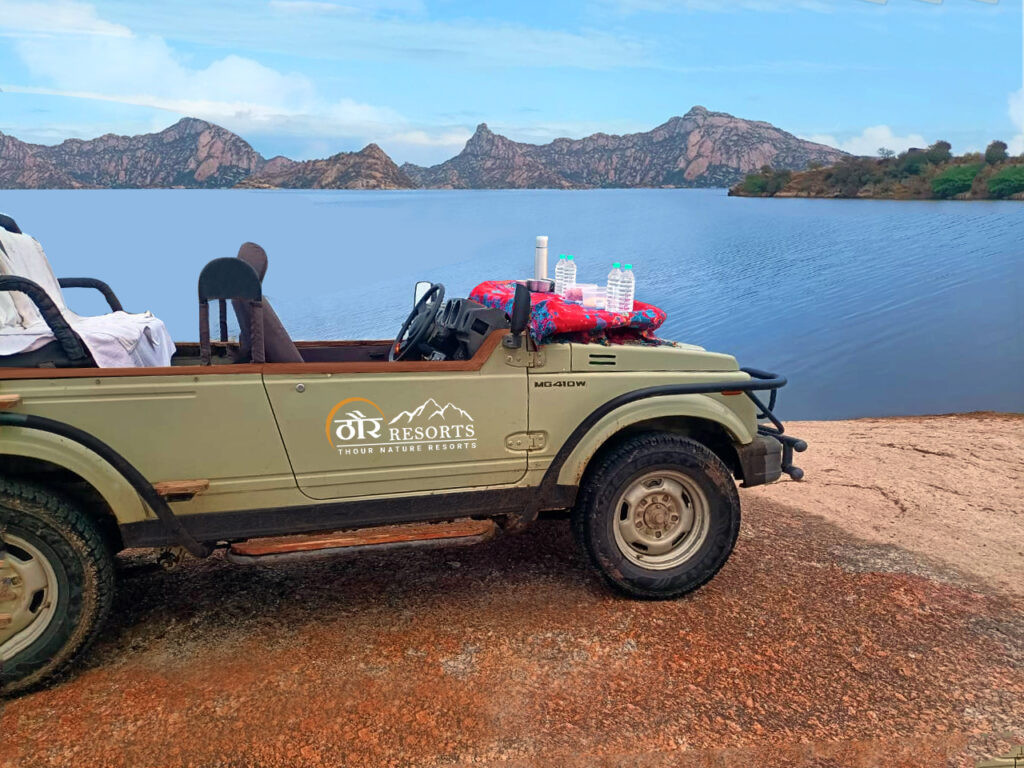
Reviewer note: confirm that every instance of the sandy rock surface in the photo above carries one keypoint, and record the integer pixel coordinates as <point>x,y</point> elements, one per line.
<point>839,634</point>
<point>948,488</point>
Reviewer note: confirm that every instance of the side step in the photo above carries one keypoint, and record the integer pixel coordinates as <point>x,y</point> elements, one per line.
<point>277,548</point>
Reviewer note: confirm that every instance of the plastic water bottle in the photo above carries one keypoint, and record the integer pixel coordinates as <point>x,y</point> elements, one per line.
<point>614,287</point>
<point>560,275</point>
<point>627,289</point>
<point>569,274</point>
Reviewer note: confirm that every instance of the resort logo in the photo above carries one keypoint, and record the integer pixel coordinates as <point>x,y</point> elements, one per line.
<point>357,426</point>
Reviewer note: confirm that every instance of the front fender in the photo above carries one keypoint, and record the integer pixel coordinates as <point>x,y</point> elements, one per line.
<point>696,406</point>
<point>108,482</point>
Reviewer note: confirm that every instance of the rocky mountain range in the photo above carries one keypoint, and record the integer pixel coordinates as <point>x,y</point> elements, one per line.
<point>700,149</point>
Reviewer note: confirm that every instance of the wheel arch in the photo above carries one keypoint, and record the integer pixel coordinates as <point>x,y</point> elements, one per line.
<point>699,416</point>
<point>75,472</point>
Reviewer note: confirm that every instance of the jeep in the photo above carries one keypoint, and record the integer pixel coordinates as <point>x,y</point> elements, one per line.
<point>267,450</point>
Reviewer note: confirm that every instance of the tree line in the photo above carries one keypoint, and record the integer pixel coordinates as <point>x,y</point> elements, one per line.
<point>918,173</point>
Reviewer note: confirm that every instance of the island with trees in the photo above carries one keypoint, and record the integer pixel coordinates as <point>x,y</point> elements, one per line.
<point>934,173</point>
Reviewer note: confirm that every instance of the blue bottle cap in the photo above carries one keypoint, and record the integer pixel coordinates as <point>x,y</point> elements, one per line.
<point>570,257</point>
<point>616,265</point>
<point>628,266</point>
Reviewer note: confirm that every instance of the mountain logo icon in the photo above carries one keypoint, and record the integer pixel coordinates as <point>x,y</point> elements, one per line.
<point>431,412</point>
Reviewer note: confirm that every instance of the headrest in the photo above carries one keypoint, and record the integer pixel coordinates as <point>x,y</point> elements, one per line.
<point>255,257</point>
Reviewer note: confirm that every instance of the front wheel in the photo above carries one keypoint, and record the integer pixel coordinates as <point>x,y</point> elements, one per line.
<point>56,584</point>
<point>658,515</point>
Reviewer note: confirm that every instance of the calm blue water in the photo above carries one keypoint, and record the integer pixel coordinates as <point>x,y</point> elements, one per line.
<point>870,307</point>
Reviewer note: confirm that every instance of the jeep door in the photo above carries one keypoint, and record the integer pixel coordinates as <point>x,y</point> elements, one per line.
<point>381,428</point>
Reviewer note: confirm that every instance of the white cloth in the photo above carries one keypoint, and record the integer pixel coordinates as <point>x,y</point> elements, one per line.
<point>116,340</point>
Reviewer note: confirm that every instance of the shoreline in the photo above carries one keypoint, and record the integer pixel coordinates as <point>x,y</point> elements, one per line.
<point>891,198</point>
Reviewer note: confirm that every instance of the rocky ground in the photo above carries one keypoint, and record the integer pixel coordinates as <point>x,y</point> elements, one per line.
<point>872,615</point>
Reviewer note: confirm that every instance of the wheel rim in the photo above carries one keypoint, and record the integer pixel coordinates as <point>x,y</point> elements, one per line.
<point>28,595</point>
<point>661,519</point>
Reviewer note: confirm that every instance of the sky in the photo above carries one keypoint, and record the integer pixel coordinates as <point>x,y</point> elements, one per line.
<point>309,78</point>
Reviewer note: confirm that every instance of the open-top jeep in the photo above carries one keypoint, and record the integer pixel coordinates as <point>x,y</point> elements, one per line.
<point>265,449</point>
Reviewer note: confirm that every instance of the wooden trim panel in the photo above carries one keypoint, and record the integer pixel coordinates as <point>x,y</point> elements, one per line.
<point>193,346</point>
<point>9,401</point>
<point>181,487</point>
<point>266,369</point>
<point>388,534</point>
<point>346,343</point>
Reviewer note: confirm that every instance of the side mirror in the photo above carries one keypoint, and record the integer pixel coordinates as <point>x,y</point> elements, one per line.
<point>421,290</point>
<point>521,308</point>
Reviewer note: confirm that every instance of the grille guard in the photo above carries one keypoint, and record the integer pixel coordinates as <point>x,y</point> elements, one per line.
<point>773,382</point>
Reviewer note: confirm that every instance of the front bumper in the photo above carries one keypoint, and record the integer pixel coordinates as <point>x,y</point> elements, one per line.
<point>760,461</point>
<point>770,453</point>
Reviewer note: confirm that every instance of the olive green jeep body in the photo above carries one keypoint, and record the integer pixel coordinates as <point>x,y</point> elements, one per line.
<point>275,449</point>
<point>348,449</point>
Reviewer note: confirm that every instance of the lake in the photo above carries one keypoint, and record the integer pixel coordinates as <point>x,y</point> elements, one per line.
<point>871,308</point>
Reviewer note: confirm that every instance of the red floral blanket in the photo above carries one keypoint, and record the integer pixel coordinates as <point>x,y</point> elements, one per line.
<point>555,319</point>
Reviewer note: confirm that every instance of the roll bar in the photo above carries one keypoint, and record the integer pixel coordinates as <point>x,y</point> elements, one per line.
<point>62,331</point>
<point>99,285</point>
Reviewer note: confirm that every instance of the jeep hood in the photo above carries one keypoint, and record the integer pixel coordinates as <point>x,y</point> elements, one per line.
<point>627,357</point>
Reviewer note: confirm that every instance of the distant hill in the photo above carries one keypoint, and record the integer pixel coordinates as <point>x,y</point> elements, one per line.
<point>191,153</point>
<point>917,174</point>
<point>700,149</point>
<point>370,168</point>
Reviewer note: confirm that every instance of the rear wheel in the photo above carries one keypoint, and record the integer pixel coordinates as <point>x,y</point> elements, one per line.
<point>56,584</point>
<point>658,515</point>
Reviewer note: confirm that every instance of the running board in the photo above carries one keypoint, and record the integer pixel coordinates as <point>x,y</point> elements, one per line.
<point>278,548</point>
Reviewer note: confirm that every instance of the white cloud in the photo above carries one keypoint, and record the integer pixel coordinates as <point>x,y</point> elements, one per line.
<point>64,17</point>
<point>146,71</point>
<point>449,138</point>
<point>1016,144</point>
<point>871,140</point>
<point>239,93</point>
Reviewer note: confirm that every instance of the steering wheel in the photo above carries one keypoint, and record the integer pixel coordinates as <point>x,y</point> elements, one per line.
<point>418,324</point>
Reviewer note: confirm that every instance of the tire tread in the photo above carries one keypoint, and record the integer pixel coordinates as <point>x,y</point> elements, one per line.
<point>653,448</point>
<point>36,509</point>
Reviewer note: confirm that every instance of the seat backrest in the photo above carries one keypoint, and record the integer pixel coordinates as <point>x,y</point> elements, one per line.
<point>227,278</point>
<point>278,346</point>
<point>23,256</point>
<point>9,314</point>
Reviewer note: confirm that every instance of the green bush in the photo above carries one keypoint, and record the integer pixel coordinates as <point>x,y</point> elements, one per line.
<point>939,152</point>
<point>911,163</point>
<point>1008,181</point>
<point>995,153</point>
<point>755,184</point>
<point>767,182</point>
<point>955,180</point>
<point>776,181</point>
<point>851,174</point>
